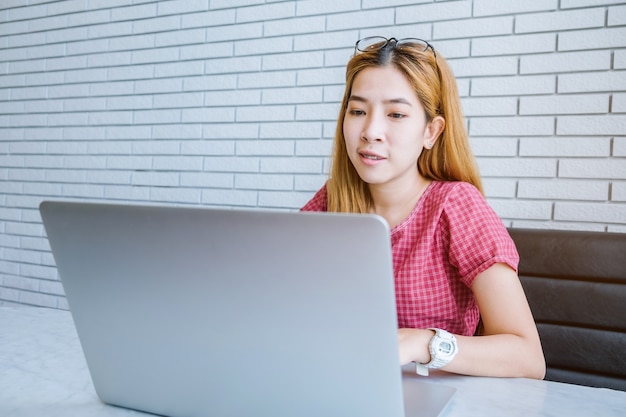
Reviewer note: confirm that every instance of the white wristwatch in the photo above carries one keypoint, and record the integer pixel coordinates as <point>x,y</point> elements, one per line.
<point>443,349</point>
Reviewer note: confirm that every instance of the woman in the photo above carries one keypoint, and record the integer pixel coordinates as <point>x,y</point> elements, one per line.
<point>401,151</point>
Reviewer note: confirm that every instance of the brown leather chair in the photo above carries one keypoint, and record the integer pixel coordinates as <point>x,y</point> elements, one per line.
<point>575,282</point>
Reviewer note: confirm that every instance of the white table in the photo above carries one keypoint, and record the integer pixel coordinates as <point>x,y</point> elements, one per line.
<point>43,373</point>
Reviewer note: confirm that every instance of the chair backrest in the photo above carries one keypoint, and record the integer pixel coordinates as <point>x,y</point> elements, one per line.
<point>575,282</point>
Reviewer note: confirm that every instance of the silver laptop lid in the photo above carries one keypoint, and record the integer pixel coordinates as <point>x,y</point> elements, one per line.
<point>196,312</point>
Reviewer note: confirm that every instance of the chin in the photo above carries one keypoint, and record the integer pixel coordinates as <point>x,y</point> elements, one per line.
<point>369,180</point>
<point>370,175</point>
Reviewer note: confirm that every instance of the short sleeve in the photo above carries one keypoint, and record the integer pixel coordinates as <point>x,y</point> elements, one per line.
<point>477,238</point>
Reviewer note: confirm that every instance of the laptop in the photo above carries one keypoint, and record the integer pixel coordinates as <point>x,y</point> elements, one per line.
<point>186,311</point>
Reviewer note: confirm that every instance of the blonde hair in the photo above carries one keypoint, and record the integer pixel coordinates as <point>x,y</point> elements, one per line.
<point>433,82</point>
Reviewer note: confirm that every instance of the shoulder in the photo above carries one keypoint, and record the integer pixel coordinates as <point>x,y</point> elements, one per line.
<point>454,195</point>
<point>455,189</point>
<point>462,206</point>
<point>319,202</point>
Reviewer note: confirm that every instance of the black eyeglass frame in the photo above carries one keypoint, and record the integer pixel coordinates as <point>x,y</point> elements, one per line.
<point>383,42</point>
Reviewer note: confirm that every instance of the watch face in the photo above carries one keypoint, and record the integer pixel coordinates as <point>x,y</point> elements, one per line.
<point>445,348</point>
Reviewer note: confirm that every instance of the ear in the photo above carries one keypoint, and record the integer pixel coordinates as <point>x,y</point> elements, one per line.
<point>433,130</point>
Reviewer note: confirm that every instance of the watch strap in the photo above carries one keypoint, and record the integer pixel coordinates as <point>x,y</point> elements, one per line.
<point>436,359</point>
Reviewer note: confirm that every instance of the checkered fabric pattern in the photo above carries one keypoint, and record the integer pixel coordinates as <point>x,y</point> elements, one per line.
<point>450,237</point>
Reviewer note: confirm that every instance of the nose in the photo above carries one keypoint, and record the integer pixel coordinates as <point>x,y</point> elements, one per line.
<point>373,128</point>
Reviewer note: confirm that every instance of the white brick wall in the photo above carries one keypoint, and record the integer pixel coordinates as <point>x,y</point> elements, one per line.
<point>233,103</point>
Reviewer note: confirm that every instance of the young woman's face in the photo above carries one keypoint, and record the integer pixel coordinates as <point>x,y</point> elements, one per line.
<point>385,127</point>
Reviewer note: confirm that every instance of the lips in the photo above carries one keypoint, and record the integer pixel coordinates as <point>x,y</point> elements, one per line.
<point>371,156</point>
<point>370,159</point>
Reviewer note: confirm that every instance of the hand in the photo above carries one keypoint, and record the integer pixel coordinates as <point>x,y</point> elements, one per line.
<point>413,345</point>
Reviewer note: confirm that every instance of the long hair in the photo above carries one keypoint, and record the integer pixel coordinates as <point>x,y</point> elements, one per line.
<point>433,82</point>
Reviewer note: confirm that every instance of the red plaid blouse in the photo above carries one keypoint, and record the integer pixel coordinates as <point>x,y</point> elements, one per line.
<point>451,236</point>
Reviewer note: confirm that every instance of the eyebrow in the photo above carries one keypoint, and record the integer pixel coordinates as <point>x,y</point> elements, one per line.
<point>398,100</point>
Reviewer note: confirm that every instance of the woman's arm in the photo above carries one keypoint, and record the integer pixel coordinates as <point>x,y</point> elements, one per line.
<point>510,346</point>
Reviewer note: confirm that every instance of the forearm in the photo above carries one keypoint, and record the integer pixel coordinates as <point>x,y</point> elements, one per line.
<point>501,355</point>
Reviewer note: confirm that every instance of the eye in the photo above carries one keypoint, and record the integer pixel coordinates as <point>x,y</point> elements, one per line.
<point>356,112</point>
<point>397,115</point>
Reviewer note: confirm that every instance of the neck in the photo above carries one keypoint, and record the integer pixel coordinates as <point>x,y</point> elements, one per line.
<point>395,203</point>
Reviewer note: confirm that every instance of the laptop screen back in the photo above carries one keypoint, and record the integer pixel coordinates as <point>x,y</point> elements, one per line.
<point>190,312</point>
